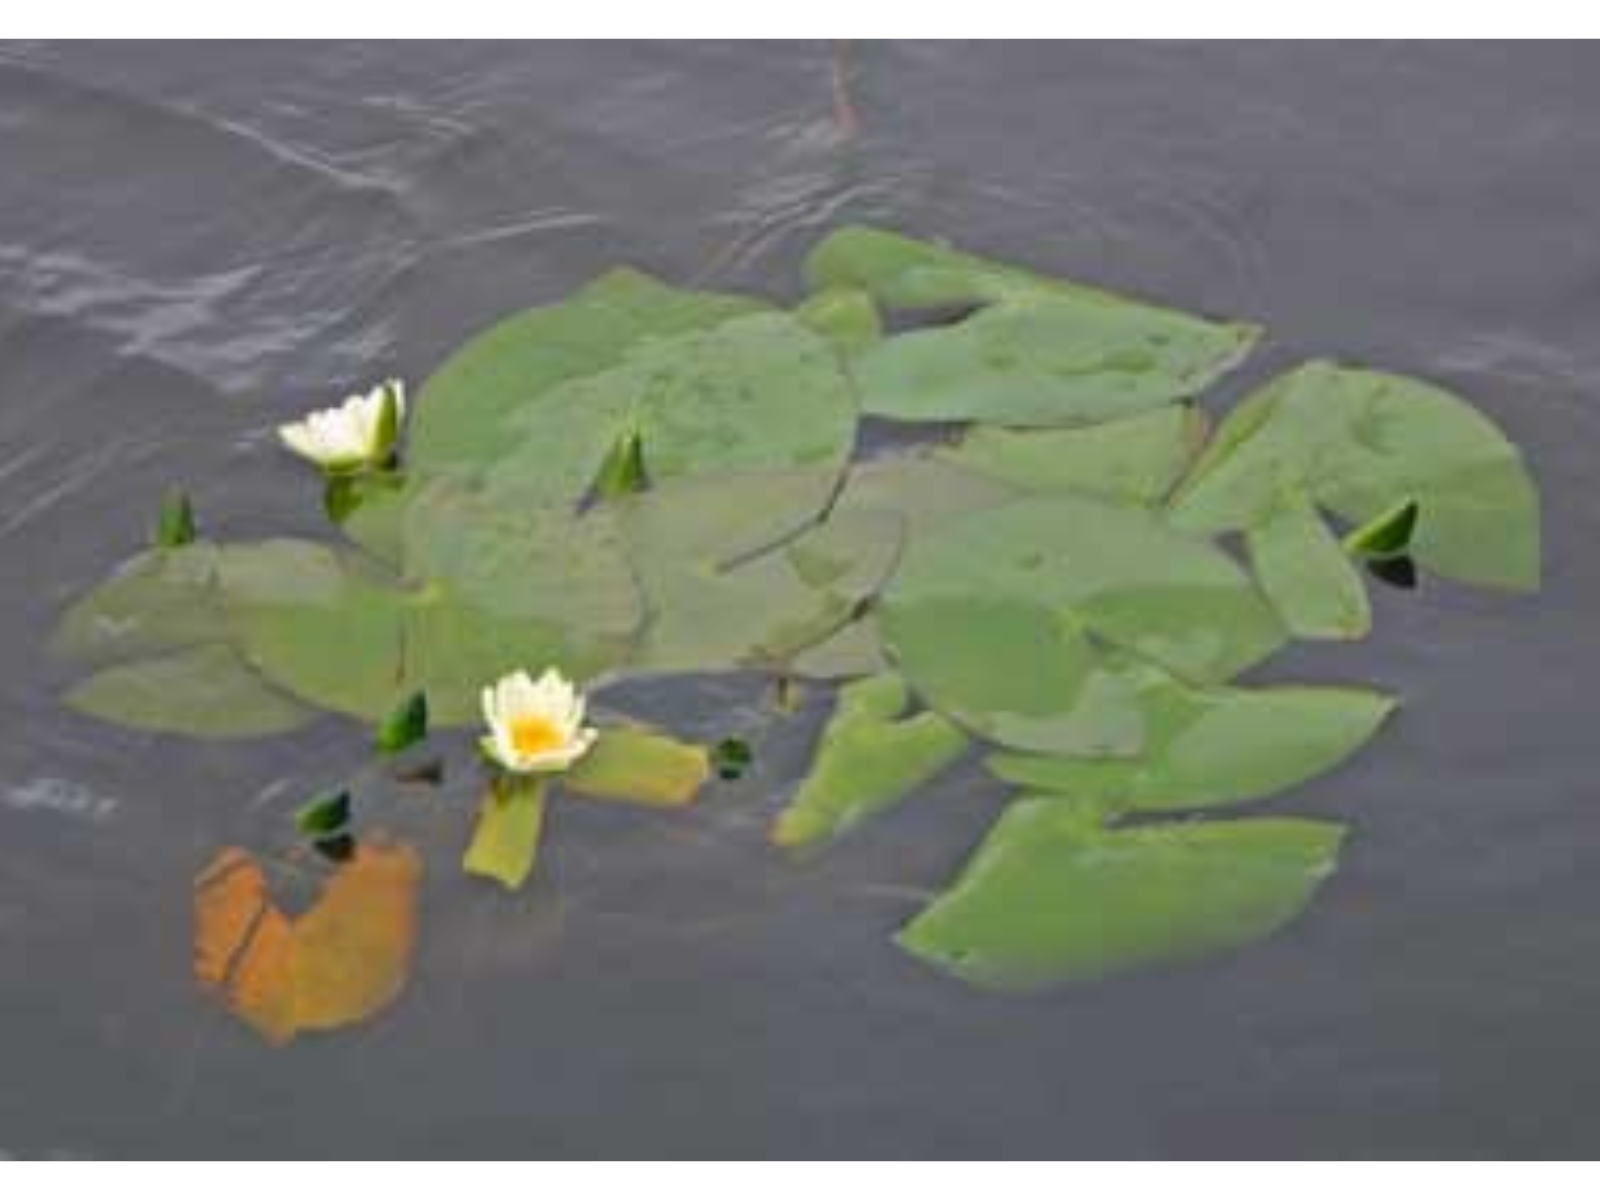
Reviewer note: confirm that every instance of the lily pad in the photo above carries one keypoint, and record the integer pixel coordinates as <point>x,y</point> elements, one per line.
<point>1048,360</point>
<point>640,766</point>
<point>505,844</point>
<point>1050,897</point>
<point>203,691</point>
<point>343,960</point>
<point>1306,573</point>
<point>846,317</point>
<point>753,393</point>
<point>924,490</point>
<point>1207,747</point>
<point>161,600</point>
<point>1045,352</point>
<point>736,573</point>
<point>869,759</point>
<point>991,617</point>
<point>1135,460</point>
<point>462,411</point>
<point>1358,442</point>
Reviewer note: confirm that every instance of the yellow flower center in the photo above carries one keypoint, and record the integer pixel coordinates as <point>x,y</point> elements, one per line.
<point>535,734</point>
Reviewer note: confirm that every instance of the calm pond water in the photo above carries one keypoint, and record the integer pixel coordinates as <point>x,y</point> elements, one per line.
<point>198,242</point>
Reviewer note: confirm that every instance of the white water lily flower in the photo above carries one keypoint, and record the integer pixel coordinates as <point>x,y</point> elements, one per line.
<point>535,726</point>
<point>361,432</point>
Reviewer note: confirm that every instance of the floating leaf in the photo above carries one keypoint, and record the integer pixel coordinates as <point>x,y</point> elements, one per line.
<point>1212,746</point>
<point>1359,442</point>
<point>922,490</point>
<point>641,766</point>
<point>1047,352</point>
<point>341,961</point>
<point>204,691</point>
<point>903,273</point>
<point>405,726</point>
<point>1135,460</point>
<point>1387,535</point>
<point>856,649</point>
<point>718,601</point>
<point>869,759</point>
<point>1049,897</point>
<point>368,507</point>
<point>505,843</point>
<point>846,317</point>
<point>462,411</point>
<point>159,601</point>
<point>991,617</point>
<point>1306,574</point>
<point>754,393</point>
<point>1048,360</point>
<point>175,527</point>
<point>323,815</point>
<point>316,625</point>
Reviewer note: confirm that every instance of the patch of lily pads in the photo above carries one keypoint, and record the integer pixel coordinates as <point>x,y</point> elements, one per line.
<point>645,480</point>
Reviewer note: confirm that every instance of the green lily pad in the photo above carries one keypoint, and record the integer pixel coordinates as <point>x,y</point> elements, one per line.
<point>736,572</point>
<point>1049,897</point>
<point>856,649</point>
<point>846,317</point>
<point>640,766</point>
<point>904,273</point>
<point>369,508</point>
<point>869,759</point>
<point>316,626</point>
<point>202,691</point>
<point>923,490</point>
<point>1135,460</point>
<point>1358,442</point>
<point>1306,573</point>
<point>505,843</point>
<point>752,393</point>
<point>992,615</point>
<point>1048,360</point>
<point>1212,746</point>
<point>462,411</point>
<point>161,600</point>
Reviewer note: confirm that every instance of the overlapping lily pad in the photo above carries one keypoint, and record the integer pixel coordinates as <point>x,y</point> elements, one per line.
<point>1207,747</point>
<point>1358,442</point>
<point>996,616</point>
<point>1042,352</point>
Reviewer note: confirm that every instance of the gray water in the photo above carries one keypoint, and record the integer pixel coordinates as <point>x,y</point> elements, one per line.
<point>198,242</point>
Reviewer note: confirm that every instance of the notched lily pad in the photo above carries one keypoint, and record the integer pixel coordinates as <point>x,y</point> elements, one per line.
<point>1207,747</point>
<point>1050,897</point>
<point>1359,442</point>
<point>869,759</point>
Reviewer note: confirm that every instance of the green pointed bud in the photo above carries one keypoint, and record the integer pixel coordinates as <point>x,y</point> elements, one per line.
<point>623,471</point>
<point>176,526</point>
<point>1387,535</point>
<point>405,726</point>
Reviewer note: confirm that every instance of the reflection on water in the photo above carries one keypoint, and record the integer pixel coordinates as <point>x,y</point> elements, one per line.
<point>202,245</point>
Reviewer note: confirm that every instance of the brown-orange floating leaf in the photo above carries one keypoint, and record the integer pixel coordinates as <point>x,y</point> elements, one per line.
<point>341,961</point>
